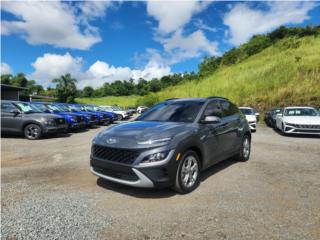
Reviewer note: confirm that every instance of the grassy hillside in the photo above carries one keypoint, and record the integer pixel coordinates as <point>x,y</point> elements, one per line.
<point>287,73</point>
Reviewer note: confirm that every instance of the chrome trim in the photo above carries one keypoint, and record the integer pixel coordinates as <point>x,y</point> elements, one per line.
<point>143,181</point>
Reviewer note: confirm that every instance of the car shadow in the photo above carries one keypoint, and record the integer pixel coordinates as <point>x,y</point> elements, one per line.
<point>48,136</point>
<point>160,193</point>
<point>136,192</point>
<point>217,168</point>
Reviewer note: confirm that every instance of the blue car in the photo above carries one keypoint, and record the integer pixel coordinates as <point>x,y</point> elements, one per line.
<point>74,121</point>
<point>93,108</point>
<point>90,118</point>
<point>103,117</point>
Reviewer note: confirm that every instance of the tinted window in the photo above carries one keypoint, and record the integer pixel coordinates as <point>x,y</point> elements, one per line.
<point>28,108</point>
<point>7,107</point>
<point>300,112</point>
<point>228,108</point>
<point>213,109</point>
<point>247,111</point>
<point>180,111</point>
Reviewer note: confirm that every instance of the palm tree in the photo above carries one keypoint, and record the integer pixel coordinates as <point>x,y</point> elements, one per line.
<point>66,88</point>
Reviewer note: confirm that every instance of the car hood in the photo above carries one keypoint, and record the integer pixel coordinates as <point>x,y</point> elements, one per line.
<point>302,119</point>
<point>251,118</point>
<point>133,134</point>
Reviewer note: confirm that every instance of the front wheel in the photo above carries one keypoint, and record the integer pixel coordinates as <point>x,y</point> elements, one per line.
<point>120,118</point>
<point>245,149</point>
<point>32,131</point>
<point>188,173</point>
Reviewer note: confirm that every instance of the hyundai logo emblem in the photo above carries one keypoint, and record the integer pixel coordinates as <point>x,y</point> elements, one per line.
<point>111,140</point>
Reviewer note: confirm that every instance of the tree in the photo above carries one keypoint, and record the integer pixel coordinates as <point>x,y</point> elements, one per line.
<point>66,89</point>
<point>6,79</point>
<point>19,80</point>
<point>87,91</point>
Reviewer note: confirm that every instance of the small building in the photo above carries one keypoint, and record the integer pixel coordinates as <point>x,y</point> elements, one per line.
<point>9,92</point>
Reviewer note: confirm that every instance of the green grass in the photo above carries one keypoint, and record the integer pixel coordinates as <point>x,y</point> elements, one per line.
<point>273,77</point>
<point>108,101</point>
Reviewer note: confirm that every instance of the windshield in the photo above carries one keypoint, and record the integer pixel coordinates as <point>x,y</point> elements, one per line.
<point>40,107</point>
<point>63,108</point>
<point>75,108</point>
<point>300,112</point>
<point>54,108</point>
<point>247,111</point>
<point>107,109</point>
<point>28,108</point>
<point>182,111</point>
<point>89,108</point>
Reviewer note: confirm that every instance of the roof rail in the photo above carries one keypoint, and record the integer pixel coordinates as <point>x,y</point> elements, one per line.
<point>217,97</point>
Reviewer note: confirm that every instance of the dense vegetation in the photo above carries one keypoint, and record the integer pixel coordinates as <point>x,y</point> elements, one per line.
<point>278,68</point>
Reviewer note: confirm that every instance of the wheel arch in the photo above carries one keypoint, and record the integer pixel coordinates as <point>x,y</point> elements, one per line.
<point>31,122</point>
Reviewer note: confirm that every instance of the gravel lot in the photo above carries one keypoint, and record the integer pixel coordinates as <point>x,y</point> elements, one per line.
<point>49,193</point>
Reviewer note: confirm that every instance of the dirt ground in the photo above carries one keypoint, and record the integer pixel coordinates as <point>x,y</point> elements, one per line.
<point>48,192</point>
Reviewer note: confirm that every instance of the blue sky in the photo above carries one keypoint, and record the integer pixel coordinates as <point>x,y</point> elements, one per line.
<point>104,41</point>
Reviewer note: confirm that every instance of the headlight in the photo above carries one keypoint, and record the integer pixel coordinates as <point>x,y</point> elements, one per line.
<point>161,140</point>
<point>50,122</point>
<point>74,119</point>
<point>155,157</point>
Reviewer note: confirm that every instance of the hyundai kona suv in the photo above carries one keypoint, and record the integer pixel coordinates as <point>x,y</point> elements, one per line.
<point>171,143</point>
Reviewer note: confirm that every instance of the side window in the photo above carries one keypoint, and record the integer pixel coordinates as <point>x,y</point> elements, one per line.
<point>7,107</point>
<point>228,108</point>
<point>213,109</point>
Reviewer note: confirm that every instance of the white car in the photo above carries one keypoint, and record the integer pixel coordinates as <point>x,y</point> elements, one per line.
<point>250,116</point>
<point>120,113</point>
<point>299,120</point>
<point>141,108</point>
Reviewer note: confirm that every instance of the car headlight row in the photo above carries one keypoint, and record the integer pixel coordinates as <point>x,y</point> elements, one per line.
<point>50,122</point>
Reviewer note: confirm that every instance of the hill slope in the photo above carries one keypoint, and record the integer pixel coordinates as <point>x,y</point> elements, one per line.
<point>287,73</point>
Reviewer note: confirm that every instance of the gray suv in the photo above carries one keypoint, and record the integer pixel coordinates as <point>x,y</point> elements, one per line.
<point>171,143</point>
<point>23,118</point>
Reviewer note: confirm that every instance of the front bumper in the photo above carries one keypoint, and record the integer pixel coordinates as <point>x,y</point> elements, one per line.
<point>301,129</point>
<point>154,175</point>
<point>55,129</point>
<point>253,125</point>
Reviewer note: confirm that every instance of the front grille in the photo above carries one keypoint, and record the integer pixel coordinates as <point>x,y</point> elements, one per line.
<point>115,154</point>
<point>60,121</point>
<point>129,176</point>
<point>80,119</point>
<point>309,126</point>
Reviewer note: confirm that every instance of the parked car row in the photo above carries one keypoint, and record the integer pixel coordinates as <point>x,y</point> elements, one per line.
<point>36,119</point>
<point>252,117</point>
<point>294,120</point>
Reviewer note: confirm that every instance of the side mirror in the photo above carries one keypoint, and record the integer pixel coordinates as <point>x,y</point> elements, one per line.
<point>211,119</point>
<point>15,111</point>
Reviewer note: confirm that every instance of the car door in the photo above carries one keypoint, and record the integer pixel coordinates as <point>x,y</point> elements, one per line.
<point>10,121</point>
<point>231,121</point>
<point>213,133</point>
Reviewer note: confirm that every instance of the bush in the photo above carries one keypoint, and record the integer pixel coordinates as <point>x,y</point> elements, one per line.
<point>148,100</point>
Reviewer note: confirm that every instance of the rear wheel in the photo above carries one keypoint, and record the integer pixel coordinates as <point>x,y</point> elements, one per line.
<point>32,131</point>
<point>245,149</point>
<point>188,173</point>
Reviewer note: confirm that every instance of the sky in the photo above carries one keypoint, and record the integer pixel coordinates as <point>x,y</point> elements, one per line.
<point>104,41</point>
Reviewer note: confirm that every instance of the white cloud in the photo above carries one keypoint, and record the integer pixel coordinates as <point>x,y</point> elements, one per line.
<point>53,22</point>
<point>50,66</point>
<point>202,26</point>
<point>244,22</point>
<point>5,69</point>
<point>173,15</point>
<point>179,47</point>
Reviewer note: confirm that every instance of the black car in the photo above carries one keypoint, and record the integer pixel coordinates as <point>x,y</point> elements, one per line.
<point>23,118</point>
<point>171,143</point>
<point>270,116</point>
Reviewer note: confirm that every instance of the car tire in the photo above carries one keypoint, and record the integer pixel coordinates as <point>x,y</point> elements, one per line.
<point>188,173</point>
<point>282,130</point>
<point>245,149</point>
<point>32,131</point>
<point>120,117</point>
